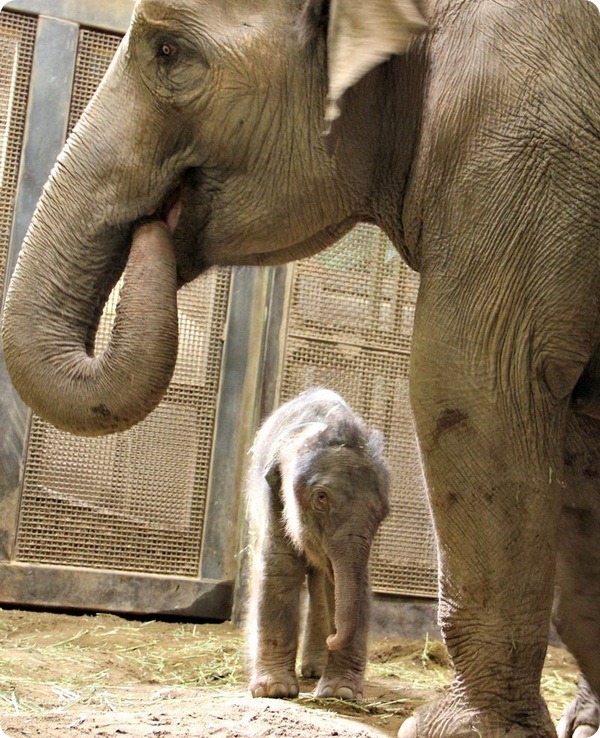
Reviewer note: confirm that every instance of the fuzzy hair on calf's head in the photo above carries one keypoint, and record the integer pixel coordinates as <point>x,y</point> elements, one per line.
<point>345,432</point>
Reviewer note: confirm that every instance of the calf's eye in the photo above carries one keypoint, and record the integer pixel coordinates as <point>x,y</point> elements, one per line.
<point>321,499</point>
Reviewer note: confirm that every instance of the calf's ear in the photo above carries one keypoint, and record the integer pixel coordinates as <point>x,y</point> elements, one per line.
<point>273,476</point>
<point>361,34</point>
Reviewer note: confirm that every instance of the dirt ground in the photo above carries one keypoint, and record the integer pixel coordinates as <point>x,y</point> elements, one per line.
<point>101,675</point>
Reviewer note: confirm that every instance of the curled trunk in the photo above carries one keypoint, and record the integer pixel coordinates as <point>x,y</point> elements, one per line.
<point>49,352</point>
<point>76,248</point>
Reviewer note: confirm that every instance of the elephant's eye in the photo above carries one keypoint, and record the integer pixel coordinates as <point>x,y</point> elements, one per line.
<point>320,499</point>
<point>167,51</point>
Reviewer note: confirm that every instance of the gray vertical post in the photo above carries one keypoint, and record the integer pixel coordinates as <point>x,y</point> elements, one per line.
<point>266,400</point>
<point>275,338</point>
<point>45,130</point>
<point>236,420</point>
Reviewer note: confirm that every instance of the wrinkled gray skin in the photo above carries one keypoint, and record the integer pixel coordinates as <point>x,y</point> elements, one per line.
<point>317,492</point>
<point>582,715</point>
<point>478,153</point>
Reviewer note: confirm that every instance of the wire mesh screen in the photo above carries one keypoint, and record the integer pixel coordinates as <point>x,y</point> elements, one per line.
<point>17,38</point>
<point>94,54</point>
<point>350,324</point>
<point>132,501</point>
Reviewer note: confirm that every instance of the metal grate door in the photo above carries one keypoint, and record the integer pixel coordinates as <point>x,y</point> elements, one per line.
<point>349,325</point>
<point>17,38</point>
<point>146,520</point>
<point>94,53</point>
<point>132,501</point>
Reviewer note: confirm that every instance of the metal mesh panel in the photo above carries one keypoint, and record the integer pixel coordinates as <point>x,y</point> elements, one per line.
<point>17,38</point>
<point>94,54</point>
<point>358,293</point>
<point>349,328</point>
<point>135,500</point>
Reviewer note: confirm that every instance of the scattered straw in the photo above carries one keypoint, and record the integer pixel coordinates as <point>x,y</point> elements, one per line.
<point>58,664</point>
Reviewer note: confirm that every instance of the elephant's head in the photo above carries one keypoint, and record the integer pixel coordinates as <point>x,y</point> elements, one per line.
<point>336,484</point>
<point>203,145</point>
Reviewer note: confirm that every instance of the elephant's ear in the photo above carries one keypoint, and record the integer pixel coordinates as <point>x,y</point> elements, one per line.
<point>277,466</point>
<point>273,476</point>
<point>375,442</point>
<point>362,34</point>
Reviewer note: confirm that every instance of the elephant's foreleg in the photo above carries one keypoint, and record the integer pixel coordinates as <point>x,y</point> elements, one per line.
<point>577,601</point>
<point>490,438</point>
<point>278,575</point>
<point>344,671</point>
<point>319,625</point>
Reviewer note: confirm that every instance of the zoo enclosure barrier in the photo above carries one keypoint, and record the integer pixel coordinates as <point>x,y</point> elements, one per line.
<point>148,520</point>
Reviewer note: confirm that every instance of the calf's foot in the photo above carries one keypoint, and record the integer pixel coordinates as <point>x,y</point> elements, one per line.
<point>581,731</point>
<point>274,684</point>
<point>345,685</point>
<point>313,663</point>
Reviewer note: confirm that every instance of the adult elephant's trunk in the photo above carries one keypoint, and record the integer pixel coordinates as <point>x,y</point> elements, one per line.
<point>49,329</point>
<point>351,583</point>
<point>73,254</point>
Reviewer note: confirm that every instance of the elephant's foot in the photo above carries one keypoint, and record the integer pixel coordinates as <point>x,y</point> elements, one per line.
<point>452,718</point>
<point>313,663</point>
<point>274,684</point>
<point>581,731</point>
<point>582,716</point>
<point>344,686</point>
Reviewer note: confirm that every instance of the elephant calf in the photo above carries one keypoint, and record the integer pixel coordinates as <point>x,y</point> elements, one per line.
<point>317,492</point>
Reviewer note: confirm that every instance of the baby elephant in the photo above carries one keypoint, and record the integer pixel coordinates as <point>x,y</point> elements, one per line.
<point>317,492</point>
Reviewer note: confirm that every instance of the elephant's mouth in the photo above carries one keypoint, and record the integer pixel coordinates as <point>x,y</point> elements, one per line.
<point>170,210</point>
<point>187,211</point>
<point>180,211</point>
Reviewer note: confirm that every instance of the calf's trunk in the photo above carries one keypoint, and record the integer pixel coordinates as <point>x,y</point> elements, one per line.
<point>351,584</point>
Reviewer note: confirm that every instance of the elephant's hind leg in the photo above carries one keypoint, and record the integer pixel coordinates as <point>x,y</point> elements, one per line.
<point>319,625</point>
<point>577,601</point>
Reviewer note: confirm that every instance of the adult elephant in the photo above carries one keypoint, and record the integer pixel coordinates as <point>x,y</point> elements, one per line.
<point>478,152</point>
